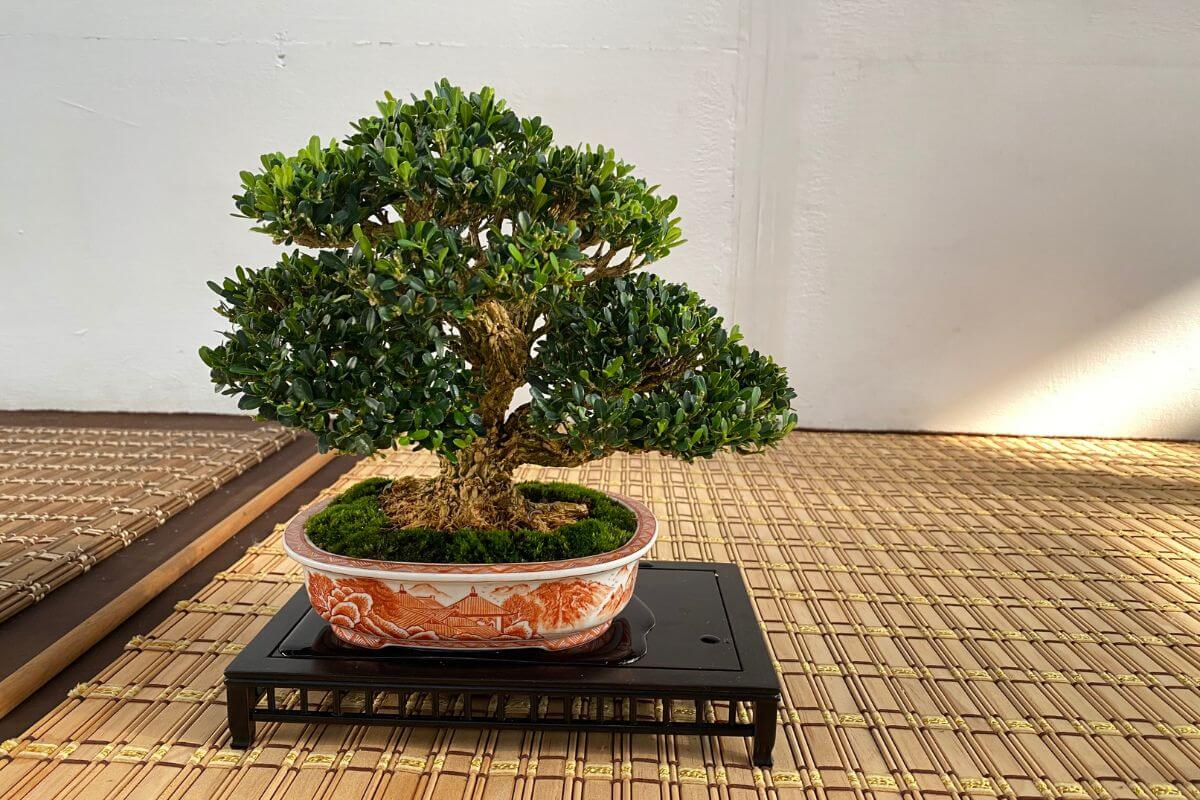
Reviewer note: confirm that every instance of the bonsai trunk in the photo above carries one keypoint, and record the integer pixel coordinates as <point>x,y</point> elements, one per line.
<point>475,491</point>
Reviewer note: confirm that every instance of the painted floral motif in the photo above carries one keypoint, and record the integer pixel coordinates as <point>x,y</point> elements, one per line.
<point>554,613</point>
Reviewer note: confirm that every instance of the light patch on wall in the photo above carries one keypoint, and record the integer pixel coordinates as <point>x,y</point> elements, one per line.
<point>1140,377</point>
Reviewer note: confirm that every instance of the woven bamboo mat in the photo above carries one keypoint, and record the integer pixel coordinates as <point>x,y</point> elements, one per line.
<point>952,616</point>
<point>71,497</point>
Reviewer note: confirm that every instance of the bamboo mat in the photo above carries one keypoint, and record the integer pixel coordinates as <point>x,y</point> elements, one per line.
<point>71,497</point>
<point>952,616</point>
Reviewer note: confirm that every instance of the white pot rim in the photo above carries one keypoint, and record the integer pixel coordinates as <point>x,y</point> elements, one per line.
<point>301,549</point>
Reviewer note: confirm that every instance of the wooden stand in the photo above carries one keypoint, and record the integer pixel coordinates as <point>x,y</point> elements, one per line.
<point>686,656</point>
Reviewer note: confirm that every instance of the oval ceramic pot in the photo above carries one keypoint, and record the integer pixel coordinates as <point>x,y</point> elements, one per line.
<point>546,604</point>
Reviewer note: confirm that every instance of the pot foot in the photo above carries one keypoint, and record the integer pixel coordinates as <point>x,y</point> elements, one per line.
<point>359,639</point>
<point>371,642</point>
<point>574,640</point>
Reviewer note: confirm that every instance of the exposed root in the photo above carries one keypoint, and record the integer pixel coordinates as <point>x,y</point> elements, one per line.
<point>445,505</point>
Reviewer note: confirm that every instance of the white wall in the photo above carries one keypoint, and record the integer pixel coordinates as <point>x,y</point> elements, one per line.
<point>127,122</point>
<point>976,216</point>
<point>958,216</point>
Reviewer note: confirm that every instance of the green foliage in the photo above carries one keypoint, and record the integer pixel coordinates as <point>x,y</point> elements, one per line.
<point>313,347</point>
<point>423,221</point>
<point>659,373</point>
<point>450,160</point>
<point>354,525</point>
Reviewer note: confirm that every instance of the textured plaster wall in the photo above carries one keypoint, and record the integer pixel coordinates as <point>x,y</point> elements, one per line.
<point>976,216</point>
<point>126,124</point>
<point>940,215</point>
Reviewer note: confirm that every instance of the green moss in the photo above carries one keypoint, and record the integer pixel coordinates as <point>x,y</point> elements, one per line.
<point>354,525</point>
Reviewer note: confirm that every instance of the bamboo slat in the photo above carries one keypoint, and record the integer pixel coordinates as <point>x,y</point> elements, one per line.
<point>34,673</point>
<point>952,617</point>
<point>71,497</point>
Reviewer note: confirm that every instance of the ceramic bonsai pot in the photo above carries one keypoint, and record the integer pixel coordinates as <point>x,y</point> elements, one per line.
<point>549,604</point>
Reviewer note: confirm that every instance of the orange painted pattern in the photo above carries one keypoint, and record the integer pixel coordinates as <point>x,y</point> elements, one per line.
<point>369,613</point>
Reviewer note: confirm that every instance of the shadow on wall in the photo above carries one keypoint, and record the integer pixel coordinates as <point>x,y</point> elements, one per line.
<point>1012,291</point>
<point>1138,374</point>
<point>1105,358</point>
<point>962,226</point>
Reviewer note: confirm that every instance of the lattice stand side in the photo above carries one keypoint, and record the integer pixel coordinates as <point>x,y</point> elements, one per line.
<point>723,716</point>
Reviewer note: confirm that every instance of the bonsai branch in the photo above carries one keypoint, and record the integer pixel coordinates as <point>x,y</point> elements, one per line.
<point>318,240</point>
<point>529,446</point>
<point>657,373</point>
<point>615,270</point>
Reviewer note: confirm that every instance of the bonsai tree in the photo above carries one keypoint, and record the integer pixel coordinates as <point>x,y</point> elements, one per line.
<point>452,254</point>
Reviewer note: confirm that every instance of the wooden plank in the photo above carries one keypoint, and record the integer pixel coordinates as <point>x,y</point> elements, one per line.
<point>25,680</point>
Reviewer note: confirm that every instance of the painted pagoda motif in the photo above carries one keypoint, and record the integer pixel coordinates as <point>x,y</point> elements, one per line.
<point>369,613</point>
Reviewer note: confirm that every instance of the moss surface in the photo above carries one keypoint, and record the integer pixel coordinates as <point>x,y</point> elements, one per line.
<point>354,525</point>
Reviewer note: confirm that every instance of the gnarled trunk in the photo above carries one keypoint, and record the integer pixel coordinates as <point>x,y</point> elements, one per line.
<point>475,491</point>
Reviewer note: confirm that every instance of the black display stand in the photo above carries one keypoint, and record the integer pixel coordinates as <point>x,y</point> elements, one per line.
<point>686,656</point>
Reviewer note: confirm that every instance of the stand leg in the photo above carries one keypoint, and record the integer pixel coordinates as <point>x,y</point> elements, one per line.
<point>238,699</point>
<point>764,732</point>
